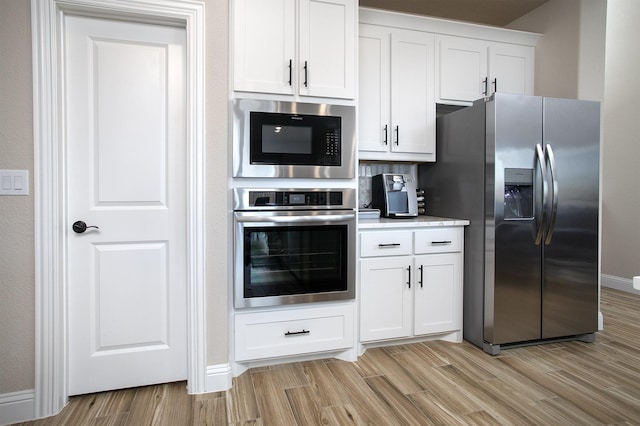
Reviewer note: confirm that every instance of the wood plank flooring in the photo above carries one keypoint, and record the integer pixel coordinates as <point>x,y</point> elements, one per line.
<point>437,383</point>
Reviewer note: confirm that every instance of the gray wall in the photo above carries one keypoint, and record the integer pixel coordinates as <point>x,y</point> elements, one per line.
<point>621,183</point>
<point>570,55</point>
<point>557,51</point>
<point>589,50</point>
<point>17,270</point>
<point>576,75</point>
<point>17,280</point>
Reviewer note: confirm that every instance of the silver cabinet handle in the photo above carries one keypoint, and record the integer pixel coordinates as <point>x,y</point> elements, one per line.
<point>440,243</point>
<point>390,245</point>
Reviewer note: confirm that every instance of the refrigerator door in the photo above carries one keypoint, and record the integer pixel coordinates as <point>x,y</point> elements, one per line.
<point>572,148</point>
<point>513,260</point>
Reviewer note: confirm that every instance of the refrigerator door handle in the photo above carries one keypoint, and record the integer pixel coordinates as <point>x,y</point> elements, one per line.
<point>554,193</point>
<point>543,172</point>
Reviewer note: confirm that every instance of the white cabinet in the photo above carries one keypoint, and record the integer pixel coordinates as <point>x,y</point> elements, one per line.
<point>295,47</point>
<point>396,99</point>
<point>293,331</point>
<point>468,68</point>
<point>438,293</point>
<point>386,310</point>
<point>410,282</point>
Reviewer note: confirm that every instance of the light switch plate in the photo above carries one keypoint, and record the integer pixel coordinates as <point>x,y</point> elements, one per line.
<point>14,182</point>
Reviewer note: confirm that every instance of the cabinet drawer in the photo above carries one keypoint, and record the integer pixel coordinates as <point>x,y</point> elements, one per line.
<point>382,243</point>
<point>293,332</point>
<point>438,240</point>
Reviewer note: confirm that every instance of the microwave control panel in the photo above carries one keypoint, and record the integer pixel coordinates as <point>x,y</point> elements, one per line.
<point>332,151</point>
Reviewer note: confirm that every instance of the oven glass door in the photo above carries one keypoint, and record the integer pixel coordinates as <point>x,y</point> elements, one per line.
<point>293,263</point>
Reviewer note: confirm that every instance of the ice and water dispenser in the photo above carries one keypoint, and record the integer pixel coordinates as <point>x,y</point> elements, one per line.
<point>518,194</point>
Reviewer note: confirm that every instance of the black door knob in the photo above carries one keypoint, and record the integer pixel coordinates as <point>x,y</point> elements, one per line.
<point>79,227</point>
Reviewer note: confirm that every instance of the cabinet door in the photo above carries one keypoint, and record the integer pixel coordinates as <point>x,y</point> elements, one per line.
<point>385,298</point>
<point>462,69</point>
<point>511,68</point>
<point>374,88</point>
<point>264,45</point>
<point>438,293</point>
<point>327,60</point>
<point>412,93</point>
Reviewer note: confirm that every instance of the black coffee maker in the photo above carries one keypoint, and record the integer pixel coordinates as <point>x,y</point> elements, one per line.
<point>394,195</point>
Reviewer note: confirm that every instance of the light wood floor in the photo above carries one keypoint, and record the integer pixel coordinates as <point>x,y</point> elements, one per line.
<point>428,383</point>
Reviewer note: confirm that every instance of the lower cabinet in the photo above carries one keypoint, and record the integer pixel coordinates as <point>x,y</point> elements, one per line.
<point>297,331</point>
<point>410,291</point>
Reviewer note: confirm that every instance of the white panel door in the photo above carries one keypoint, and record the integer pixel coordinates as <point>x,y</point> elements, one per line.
<point>462,68</point>
<point>511,68</point>
<point>438,293</point>
<point>374,104</point>
<point>386,296</point>
<point>413,105</point>
<point>265,46</point>
<point>327,62</point>
<point>125,148</point>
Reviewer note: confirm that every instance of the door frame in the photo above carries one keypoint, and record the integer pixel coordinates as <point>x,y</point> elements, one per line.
<point>51,339</point>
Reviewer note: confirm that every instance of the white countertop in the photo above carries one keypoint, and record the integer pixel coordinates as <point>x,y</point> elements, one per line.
<point>420,221</point>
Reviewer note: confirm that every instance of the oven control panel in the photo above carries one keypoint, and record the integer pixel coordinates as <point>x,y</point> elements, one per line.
<point>284,199</point>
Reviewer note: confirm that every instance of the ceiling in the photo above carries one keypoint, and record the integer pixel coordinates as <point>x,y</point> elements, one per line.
<point>490,12</point>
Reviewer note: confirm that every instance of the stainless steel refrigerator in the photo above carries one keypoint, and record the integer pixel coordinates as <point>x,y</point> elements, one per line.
<point>525,171</point>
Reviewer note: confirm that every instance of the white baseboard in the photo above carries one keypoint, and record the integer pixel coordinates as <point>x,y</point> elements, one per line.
<point>17,407</point>
<point>218,378</point>
<point>600,321</point>
<point>624,284</point>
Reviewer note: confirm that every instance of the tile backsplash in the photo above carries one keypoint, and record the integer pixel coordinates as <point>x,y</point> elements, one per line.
<point>367,170</point>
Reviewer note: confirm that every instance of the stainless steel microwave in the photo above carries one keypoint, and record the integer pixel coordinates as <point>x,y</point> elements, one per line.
<point>293,139</point>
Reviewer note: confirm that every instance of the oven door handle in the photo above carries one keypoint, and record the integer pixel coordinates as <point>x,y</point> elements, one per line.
<point>297,219</point>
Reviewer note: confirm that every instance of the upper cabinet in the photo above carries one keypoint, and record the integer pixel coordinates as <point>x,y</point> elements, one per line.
<point>295,47</point>
<point>469,61</point>
<point>468,69</point>
<point>396,94</point>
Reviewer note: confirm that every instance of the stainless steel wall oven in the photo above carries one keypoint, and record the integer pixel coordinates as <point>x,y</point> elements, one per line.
<point>293,246</point>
